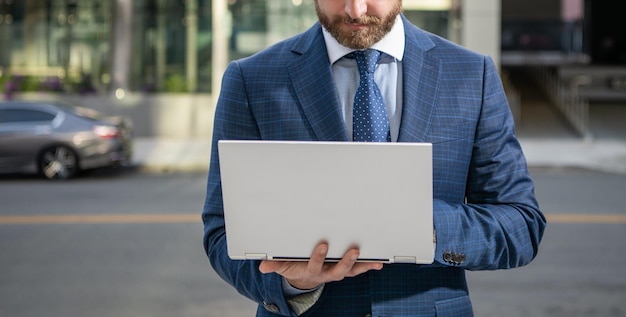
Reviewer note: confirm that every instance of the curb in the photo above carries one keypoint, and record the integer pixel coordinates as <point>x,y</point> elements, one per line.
<point>605,156</point>
<point>193,155</point>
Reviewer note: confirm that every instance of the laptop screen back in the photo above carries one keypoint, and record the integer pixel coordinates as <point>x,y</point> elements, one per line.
<point>281,198</point>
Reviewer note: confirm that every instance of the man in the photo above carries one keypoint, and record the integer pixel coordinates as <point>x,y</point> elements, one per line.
<point>484,211</point>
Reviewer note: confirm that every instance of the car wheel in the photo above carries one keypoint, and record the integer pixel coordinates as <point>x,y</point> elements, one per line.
<point>58,162</point>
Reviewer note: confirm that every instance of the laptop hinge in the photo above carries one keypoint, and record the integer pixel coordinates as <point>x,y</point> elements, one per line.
<point>404,259</point>
<point>256,256</point>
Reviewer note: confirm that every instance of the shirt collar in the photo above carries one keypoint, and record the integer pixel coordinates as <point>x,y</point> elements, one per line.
<point>392,44</point>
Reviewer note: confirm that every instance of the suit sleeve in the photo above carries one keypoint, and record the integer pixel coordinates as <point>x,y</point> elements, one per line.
<point>500,225</point>
<point>234,120</point>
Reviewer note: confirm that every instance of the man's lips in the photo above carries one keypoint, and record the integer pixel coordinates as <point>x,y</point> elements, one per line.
<point>356,26</point>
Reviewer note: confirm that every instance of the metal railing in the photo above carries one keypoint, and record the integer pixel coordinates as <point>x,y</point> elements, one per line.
<point>566,98</point>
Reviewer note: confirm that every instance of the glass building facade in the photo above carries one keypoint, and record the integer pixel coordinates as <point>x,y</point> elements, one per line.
<point>155,45</point>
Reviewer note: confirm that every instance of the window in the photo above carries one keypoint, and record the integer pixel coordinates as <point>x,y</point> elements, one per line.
<point>22,115</point>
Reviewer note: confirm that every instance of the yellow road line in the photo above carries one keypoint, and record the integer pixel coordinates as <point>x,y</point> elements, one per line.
<point>195,218</point>
<point>101,219</point>
<point>586,218</point>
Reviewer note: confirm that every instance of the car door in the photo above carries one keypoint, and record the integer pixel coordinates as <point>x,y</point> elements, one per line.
<point>22,134</point>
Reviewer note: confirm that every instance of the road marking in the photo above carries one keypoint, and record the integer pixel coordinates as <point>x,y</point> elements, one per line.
<point>586,218</point>
<point>101,219</point>
<point>195,218</point>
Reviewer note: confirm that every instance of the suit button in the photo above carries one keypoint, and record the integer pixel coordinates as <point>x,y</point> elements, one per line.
<point>447,256</point>
<point>368,315</point>
<point>453,258</point>
<point>271,307</point>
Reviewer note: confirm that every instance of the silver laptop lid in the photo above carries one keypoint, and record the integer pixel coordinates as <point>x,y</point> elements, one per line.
<point>281,198</point>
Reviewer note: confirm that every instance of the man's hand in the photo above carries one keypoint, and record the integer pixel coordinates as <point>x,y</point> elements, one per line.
<point>315,272</point>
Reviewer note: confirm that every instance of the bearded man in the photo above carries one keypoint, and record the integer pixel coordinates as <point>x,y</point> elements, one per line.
<point>485,214</point>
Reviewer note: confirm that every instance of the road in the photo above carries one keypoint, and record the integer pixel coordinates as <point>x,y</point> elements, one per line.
<point>124,243</point>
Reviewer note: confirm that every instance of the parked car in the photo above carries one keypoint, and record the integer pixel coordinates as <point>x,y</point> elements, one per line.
<point>59,140</point>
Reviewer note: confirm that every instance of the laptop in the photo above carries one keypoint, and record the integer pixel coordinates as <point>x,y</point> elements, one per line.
<point>282,198</point>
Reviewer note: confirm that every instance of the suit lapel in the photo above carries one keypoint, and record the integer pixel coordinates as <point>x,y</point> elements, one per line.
<point>421,82</point>
<point>314,86</point>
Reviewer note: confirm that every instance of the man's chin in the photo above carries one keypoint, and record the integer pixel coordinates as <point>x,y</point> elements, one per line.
<point>356,40</point>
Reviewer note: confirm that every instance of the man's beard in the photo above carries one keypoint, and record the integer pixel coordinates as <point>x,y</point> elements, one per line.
<point>359,39</point>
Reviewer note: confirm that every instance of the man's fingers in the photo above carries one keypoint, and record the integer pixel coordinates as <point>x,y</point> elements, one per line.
<point>314,266</point>
<point>343,267</point>
<point>360,268</point>
<point>307,275</point>
<point>349,267</point>
<point>269,266</point>
<point>316,262</point>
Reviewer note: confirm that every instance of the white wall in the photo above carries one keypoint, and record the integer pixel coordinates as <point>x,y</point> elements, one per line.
<point>482,27</point>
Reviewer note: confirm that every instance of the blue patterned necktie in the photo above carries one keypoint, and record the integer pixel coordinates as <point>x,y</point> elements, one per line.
<point>370,122</point>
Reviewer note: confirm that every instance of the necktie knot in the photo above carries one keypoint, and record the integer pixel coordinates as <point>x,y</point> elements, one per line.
<point>367,60</point>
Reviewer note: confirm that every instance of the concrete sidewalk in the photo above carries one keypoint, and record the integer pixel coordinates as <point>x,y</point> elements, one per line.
<point>601,155</point>
<point>193,155</point>
<point>171,155</point>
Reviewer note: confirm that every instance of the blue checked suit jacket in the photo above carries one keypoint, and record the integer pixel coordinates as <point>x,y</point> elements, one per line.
<point>485,213</point>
